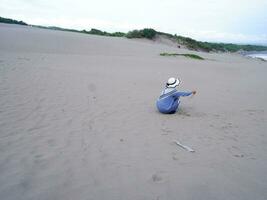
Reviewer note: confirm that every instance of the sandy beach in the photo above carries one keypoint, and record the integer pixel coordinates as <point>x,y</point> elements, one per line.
<point>78,120</point>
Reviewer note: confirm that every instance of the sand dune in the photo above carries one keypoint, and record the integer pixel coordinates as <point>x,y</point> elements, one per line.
<point>78,120</point>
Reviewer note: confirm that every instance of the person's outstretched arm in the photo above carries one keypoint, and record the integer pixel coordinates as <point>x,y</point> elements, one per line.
<point>183,94</point>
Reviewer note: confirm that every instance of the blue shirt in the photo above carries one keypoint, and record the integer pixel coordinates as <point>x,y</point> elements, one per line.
<point>168,102</point>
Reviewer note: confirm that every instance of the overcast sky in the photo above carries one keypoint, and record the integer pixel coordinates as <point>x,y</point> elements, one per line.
<point>239,21</point>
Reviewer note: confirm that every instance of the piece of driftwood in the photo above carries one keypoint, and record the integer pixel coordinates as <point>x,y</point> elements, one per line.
<point>184,146</point>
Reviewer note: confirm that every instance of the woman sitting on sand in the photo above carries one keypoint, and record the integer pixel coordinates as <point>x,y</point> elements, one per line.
<point>168,101</point>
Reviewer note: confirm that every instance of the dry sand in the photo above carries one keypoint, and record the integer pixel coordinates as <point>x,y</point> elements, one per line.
<point>78,121</point>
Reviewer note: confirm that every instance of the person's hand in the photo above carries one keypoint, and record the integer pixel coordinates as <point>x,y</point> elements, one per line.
<point>194,92</point>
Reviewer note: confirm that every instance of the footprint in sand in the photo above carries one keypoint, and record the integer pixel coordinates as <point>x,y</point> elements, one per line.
<point>183,113</point>
<point>23,58</point>
<point>239,155</point>
<point>91,87</point>
<point>51,142</point>
<point>158,177</point>
<point>228,126</point>
<point>236,152</point>
<point>256,114</point>
<point>175,158</point>
<point>217,115</point>
<point>165,131</point>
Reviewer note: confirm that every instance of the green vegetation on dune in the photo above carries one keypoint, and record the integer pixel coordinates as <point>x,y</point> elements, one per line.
<point>210,46</point>
<point>194,44</point>
<point>150,33</point>
<point>56,28</point>
<point>104,33</point>
<point>193,56</point>
<point>11,21</point>
<point>92,31</point>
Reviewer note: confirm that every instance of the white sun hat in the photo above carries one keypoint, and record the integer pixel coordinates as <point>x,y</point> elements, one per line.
<point>172,82</point>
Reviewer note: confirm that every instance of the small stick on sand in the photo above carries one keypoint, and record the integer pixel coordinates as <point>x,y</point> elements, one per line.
<point>184,146</point>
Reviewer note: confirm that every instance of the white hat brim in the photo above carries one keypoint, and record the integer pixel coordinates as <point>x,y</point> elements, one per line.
<point>177,82</point>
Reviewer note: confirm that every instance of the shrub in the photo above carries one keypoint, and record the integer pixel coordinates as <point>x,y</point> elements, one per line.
<point>117,34</point>
<point>134,34</point>
<point>148,33</point>
<point>11,21</point>
<point>96,32</point>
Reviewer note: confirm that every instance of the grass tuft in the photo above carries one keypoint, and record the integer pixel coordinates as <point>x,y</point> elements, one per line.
<point>193,56</point>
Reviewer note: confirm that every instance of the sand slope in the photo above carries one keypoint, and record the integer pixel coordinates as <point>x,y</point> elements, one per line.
<point>78,121</point>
